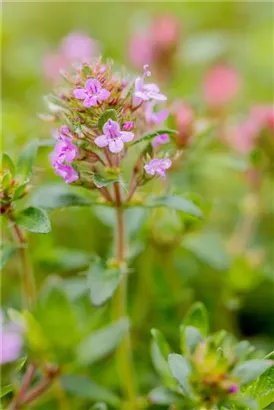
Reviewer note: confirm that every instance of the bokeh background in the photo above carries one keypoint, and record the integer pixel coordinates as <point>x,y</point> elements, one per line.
<point>171,265</point>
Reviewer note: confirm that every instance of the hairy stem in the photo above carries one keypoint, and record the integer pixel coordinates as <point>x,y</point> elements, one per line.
<point>124,353</point>
<point>27,277</point>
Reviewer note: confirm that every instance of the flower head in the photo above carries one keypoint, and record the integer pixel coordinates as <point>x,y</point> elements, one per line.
<point>75,48</point>
<point>113,137</point>
<point>92,93</point>
<point>128,125</point>
<point>154,117</point>
<point>145,92</point>
<point>234,388</point>
<point>158,166</point>
<point>64,150</point>
<point>160,139</point>
<point>221,85</point>
<point>66,172</point>
<point>11,342</point>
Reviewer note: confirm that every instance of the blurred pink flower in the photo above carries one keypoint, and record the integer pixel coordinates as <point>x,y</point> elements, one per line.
<point>160,139</point>
<point>244,136</point>
<point>157,45</point>
<point>11,342</point>
<point>154,117</point>
<point>75,48</point>
<point>184,119</point>
<point>221,85</point>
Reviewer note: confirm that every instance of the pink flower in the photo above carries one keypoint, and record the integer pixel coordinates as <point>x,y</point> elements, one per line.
<point>154,117</point>
<point>221,85</point>
<point>160,139</point>
<point>113,137</point>
<point>233,389</point>
<point>184,118</point>
<point>263,115</point>
<point>78,47</point>
<point>165,32</point>
<point>66,172</point>
<point>243,138</point>
<point>92,93</point>
<point>128,126</point>
<point>158,166</point>
<point>140,50</point>
<point>64,150</point>
<point>145,92</point>
<point>11,341</point>
<point>75,48</point>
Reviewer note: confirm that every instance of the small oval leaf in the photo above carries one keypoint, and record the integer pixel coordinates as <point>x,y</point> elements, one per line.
<point>33,220</point>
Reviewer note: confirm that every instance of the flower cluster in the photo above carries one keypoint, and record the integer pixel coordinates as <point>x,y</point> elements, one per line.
<point>104,115</point>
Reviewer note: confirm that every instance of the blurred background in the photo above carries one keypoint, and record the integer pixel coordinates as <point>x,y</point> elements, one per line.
<point>226,260</point>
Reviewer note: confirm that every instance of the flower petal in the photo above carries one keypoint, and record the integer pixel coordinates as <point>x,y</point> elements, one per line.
<point>116,145</point>
<point>158,96</point>
<point>101,141</point>
<point>90,101</point>
<point>80,93</point>
<point>127,136</point>
<point>103,94</point>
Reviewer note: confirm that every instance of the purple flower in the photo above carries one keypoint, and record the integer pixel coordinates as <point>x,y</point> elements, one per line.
<point>154,117</point>
<point>233,389</point>
<point>92,93</point>
<point>158,166</point>
<point>11,341</point>
<point>64,150</point>
<point>128,126</point>
<point>160,139</point>
<point>66,172</point>
<point>113,137</point>
<point>145,92</point>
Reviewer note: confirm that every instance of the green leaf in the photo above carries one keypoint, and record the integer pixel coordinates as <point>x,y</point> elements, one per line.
<point>85,388</point>
<point>162,396</point>
<point>7,164</point>
<point>35,335</point>
<point>150,136</point>
<point>27,158</point>
<point>102,282</point>
<point>250,370</point>
<point>108,114</point>
<point>56,316</point>
<point>160,364</point>
<point>197,317</point>
<point>243,349</point>
<point>262,389</point>
<point>190,337</point>
<point>175,202</point>
<point>6,181</point>
<point>6,390</point>
<point>33,220</point>
<point>209,248</point>
<point>161,342</point>
<point>101,181</point>
<point>20,191</point>
<point>102,342</point>
<point>99,406</point>
<point>181,370</point>
<point>7,250</point>
<point>55,196</point>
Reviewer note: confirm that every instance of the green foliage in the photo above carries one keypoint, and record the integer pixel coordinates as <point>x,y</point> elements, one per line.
<point>211,370</point>
<point>7,250</point>
<point>102,282</point>
<point>103,342</point>
<point>108,114</point>
<point>33,220</point>
<point>175,202</point>
<point>26,159</point>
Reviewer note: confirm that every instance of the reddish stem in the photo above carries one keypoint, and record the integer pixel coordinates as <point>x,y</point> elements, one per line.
<point>24,387</point>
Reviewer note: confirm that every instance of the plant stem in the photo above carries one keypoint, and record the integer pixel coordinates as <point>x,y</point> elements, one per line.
<point>124,354</point>
<point>24,387</point>
<point>26,268</point>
